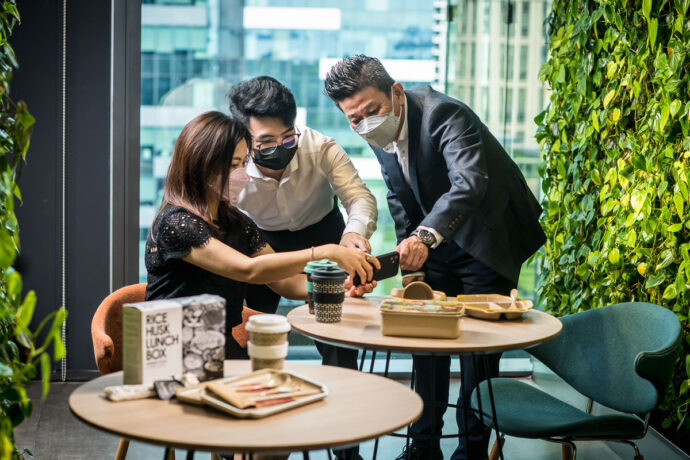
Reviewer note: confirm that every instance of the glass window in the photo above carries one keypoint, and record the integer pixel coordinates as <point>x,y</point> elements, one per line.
<point>524,19</point>
<point>522,102</point>
<point>524,49</point>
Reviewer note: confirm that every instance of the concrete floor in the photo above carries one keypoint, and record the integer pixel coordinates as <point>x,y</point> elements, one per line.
<point>53,433</point>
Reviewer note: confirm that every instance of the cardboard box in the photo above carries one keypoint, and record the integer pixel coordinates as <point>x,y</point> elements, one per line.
<point>167,338</point>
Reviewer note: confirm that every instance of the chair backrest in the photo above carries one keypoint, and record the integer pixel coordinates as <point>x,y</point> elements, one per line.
<point>239,332</point>
<point>621,356</point>
<point>106,327</point>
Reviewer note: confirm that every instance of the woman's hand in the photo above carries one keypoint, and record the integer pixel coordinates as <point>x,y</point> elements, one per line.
<point>354,261</point>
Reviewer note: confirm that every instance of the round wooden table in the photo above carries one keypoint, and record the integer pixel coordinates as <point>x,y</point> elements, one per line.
<point>361,328</point>
<point>337,420</point>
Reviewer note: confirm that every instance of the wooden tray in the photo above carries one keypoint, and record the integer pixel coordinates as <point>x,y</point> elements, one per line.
<point>199,395</point>
<point>477,306</point>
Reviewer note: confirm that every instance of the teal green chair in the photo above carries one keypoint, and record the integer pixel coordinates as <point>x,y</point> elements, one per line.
<point>621,356</point>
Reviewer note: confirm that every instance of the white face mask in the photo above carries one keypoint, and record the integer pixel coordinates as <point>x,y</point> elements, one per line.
<point>380,130</point>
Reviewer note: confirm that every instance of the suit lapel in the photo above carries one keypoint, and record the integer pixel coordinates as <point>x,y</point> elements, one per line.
<point>414,118</point>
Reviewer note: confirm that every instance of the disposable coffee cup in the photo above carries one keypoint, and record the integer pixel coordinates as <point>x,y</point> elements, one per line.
<point>308,270</point>
<point>328,286</point>
<point>267,356</point>
<point>268,329</point>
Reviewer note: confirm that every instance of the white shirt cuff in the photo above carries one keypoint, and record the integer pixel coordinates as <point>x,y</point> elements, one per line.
<point>354,226</point>
<point>413,274</point>
<point>437,235</point>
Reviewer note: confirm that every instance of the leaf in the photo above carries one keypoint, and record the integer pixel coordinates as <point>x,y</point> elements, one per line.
<point>637,201</point>
<point>615,115</point>
<point>664,116</point>
<point>608,97</point>
<point>653,24</point>
<point>670,292</point>
<point>674,228</point>
<point>595,119</point>
<point>614,256</point>
<point>45,374</point>
<point>26,311</point>
<point>646,8</point>
<point>667,259</point>
<point>642,268</point>
<point>655,280</point>
<point>679,203</point>
<point>674,107</point>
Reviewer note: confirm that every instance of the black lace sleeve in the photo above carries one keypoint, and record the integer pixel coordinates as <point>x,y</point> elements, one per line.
<point>255,239</point>
<point>179,231</point>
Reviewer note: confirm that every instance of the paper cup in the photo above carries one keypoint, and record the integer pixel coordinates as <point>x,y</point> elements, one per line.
<point>268,329</point>
<point>267,356</point>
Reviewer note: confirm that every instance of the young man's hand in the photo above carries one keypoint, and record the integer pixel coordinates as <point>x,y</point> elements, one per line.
<point>413,253</point>
<point>355,240</point>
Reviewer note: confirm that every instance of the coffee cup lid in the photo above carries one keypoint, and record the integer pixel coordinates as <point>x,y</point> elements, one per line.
<point>328,273</point>
<point>314,264</point>
<point>267,351</point>
<point>270,324</point>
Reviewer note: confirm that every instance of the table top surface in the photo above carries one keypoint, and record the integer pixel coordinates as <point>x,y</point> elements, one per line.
<point>361,328</point>
<point>358,407</point>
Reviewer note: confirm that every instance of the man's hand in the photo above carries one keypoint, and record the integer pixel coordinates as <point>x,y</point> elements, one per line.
<point>358,291</point>
<point>413,253</point>
<point>411,278</point>
<point>356,241</point>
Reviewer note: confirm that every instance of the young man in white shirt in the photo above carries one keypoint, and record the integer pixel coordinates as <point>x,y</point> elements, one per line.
<point>296,176</point>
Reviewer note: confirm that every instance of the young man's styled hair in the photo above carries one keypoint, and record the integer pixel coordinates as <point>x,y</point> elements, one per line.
<point>351,75</point>
<point>262,97</point>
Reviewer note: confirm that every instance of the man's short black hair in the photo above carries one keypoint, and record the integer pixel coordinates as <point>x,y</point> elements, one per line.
<point>262,97</point>
<point>351,75</point>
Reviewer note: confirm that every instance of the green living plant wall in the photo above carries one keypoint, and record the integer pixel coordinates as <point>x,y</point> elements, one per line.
<point>616,148</point>
<point>20,354</point>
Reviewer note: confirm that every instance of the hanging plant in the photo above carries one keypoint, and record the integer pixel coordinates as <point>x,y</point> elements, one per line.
<point>20,354</point>
<point>616,150</point>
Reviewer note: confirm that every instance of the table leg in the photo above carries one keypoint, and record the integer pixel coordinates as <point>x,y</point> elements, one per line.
<point>466,432</point>
<point>385,374</point>
<point>305,455</point>
<point>432,403</point>
<point>407,435</point>
<point>361,363</point>
<point>479,399</point>
<point>169,453</point>
<point>373,358</point>
<point>485,358</point>
<point>190,455</point>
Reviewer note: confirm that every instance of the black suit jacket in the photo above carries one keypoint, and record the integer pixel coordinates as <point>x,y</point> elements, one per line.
<point>464,185</point>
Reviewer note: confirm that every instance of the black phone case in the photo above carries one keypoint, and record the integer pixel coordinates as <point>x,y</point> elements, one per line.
<point>389,267</point>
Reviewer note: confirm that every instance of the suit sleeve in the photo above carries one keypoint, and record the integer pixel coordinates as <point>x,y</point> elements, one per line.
<point>457,135</point>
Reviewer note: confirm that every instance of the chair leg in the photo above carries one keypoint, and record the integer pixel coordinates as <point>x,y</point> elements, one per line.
<point>215,456</point>
<point>493,454</point>
<point>568,450</point>
<point>169,453</point>
<point>122,449</point>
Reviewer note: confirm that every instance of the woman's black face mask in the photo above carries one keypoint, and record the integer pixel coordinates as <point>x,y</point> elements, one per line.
<point>276,160</point>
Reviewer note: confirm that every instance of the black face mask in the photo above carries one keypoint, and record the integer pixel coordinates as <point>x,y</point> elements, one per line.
<point>276,160</point>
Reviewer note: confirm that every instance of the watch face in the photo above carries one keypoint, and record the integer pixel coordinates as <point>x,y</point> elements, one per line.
<point>426,236</point>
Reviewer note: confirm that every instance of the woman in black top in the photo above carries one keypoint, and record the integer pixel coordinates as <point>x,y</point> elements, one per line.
<point>200,243</point>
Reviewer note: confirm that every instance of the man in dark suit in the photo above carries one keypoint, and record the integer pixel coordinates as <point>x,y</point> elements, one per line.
<point>464,216</point>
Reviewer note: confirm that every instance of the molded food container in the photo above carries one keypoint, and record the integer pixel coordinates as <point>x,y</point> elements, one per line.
<point>493,306</point>
<point>421,318</point>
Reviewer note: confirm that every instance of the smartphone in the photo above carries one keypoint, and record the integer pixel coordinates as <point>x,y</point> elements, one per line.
<point>389,267</point>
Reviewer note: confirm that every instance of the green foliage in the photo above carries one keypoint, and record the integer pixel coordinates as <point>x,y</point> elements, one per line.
<point>20,354</point>
<point>615,141</point>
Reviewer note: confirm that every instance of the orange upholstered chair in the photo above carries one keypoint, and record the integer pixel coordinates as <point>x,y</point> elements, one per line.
<point>106,333</point>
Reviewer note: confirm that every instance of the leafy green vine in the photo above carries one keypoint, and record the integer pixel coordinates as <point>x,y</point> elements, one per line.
<point>19,353</point>
<point>616,151</point>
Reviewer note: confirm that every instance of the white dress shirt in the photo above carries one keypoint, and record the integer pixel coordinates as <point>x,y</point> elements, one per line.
<point>401,150</point>
<point>304,195</point>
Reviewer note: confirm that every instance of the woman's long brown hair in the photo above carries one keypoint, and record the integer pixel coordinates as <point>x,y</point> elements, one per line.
<point>203,152</point>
